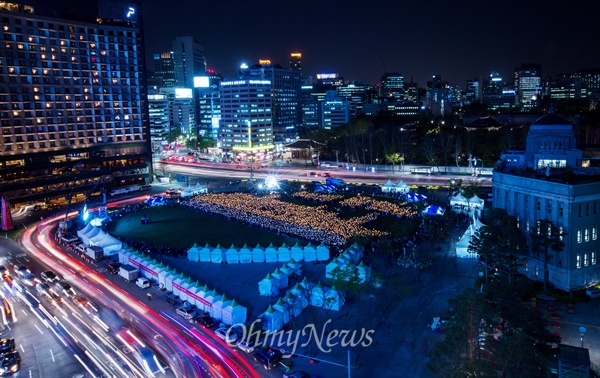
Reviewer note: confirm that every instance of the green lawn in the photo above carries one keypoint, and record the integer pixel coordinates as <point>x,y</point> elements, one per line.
<point>181,228</point>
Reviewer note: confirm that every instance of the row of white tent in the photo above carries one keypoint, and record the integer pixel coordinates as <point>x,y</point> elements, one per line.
<point>93,236</point>
<point>462,247</point>
<point>460,200</point>
<point>349,260</point>
<point>272,284</point>
<point>218,306</point>
<point>258,254</point>
<point>390,187</point>
<point>191,191</point>
<point>297,299</point>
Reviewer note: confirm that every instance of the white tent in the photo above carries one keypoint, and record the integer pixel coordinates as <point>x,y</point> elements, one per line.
<point>364,272</point>
<point>218,306</point>
<point>286,269</point>
<point>322,252</point>
<point>335,263</point>
<point>212,298</point>
<point>99,236</point>
<point>204,253</point>
<point>170,276</point>
<point>268,286</point>
<point>245,255</point>
<point>333,301</point>
<point>176,285</point>
<point>284,253</point>
<point>310,252</point>
<point>317,297</point>
<point>258,254</point>
<point>193,253</point>
<point>270,254</point>
<point>282,278</point>
<point>476,202</point>
<point>200,189</point>
<point>81,233</point>
<point>234,313</point>
<point>90,233</point>
<point>216,255</point>
<point>272,320</point>
<point>433,210</point>
<point>295,304</point>
<point>109,244</point>
<point>388,186</point>
<point>201,302</point>
<point>284,308</point>
<point>462,247</point>
<point>297,252</point>
<point>232,256</point>
<point>162,274</point>
<point>458,200</point>
<point>296,266</point>
<point>184,289</point>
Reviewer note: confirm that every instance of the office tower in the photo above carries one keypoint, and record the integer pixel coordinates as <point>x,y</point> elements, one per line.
<point>533,186</point>
<point>164,69</point>
<point>310,109</point>
<point>208,104</point>
<point>182,111</point>
<point>473,91</point>
<point>246,128</point>
<point>335,111</point>
<point>296,61</point>
<point>285,93</point>
<point>73,108</point>
<point>189,61</point>
<point>495,95</point>
<point>528,84</point>
<point>356,94</point>
<point>159,115</point>
<point>392,86</point>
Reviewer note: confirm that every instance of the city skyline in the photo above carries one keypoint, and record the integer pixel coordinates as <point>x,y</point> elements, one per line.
<point>459,40</point>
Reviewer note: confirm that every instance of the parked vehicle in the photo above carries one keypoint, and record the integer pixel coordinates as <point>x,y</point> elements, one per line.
<point>205,321</point>
<point>142,283</point>
<point>248,344</point>
<point>268,358</point>
<point>94,252</point>
<point>187,312</point>
<point>128,272</point>
<point>226,334</point>
<point>113,268</point>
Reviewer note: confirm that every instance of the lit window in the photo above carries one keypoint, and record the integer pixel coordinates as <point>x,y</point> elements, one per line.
<point>594,232</point>
<point>593,257</point>
<point>578,263</point>
<point>585,260</point>
<point>561,233</point>
<point>586,234</point>
<point>579,235</point>
<point>537,270</point>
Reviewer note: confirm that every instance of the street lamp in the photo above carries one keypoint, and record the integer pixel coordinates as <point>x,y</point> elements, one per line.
<point>583,331</point>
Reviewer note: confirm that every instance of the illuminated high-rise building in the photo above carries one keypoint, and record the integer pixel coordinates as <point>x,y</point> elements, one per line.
<point>246,128</point>
<point>392,86</point>
<point>73,107</point>
<point>189,61</point>
<point>208,104</point>
<point>296,61</point>
<point>164,69</point>
<point>528,84</point>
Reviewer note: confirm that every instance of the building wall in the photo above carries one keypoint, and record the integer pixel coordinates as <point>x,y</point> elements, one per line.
<point>72,105</point>
<point>573,208</point>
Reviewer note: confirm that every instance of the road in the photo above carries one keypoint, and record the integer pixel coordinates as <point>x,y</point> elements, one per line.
<point>182,349</point>
<point>230,171</point>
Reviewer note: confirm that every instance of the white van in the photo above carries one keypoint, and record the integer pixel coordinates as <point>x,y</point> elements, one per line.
<point>142,282</point>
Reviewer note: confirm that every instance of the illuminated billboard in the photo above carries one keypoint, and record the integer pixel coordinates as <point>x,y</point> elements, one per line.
<point>183,93</point>
<point>201,82</point>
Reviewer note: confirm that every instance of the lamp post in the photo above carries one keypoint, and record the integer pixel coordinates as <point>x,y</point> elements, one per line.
<point>583,331</point>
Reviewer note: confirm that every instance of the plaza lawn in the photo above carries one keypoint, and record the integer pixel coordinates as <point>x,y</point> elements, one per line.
<point>181,228</point>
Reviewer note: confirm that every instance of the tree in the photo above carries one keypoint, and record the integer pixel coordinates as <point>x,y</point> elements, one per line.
<point>546,238</point>
<point>500,244</point>
<point>348,284</point>
<point>394,158</point>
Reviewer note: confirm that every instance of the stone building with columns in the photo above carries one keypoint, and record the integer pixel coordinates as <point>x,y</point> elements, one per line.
<point>560,182</point>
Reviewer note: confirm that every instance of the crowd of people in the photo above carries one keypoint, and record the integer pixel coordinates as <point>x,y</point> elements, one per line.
<point>315,224</point>
<point>383,207</point>
<point>318,197</point>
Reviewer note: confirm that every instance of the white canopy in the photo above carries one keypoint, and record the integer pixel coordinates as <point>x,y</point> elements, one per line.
<point>317,296</point>
<point>284,253</point>
<point>390,187</point>
<point>201,302</point>
<point>234,313</point>
<point>333,301</point>
<point>109,244</point>
<point>270,254</point>
<point>272,320</point>
<point>310,253</point>
<point>322,252</point>
<point>204,253</point>
<point>232,255</point>
<point>193,253</point>
<point>281,277</point>
<point>245,255</point>
<point>258,254</point>
<point>297,252</point>
<point>284,308</point>
<point>268,286</point>
<point>90,233</point>
<point>216,255</point>
<point>218,305</point>
<point>81,233</point>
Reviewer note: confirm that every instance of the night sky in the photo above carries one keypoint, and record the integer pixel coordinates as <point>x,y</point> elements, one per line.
<point>458,40</point>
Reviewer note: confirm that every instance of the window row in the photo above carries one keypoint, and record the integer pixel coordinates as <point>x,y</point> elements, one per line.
<point>584,233</point>
<point>584,259</point>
